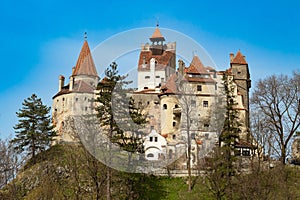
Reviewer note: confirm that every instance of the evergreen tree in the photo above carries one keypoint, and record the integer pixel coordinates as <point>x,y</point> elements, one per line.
<point>34,132</point>
<point>231,128</point>
<point>117,112</point>
<point>118,115</point>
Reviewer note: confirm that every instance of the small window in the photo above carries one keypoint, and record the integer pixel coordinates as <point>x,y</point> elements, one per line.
<point>174,123</point>
<point>145,88</point>
<point>216,86</point>
<point>157,76</point>
<point>199,87</point>
<point>55,109</point>
<point>246,152</point>
<point>206,136</point>
<point>206,125</point>
<point>63,99</point>
<point>155,139</point>
<point>176,106</point>
<point>165,107</point>
<point>151,127</point>
<point>86,108</point>
<point>76,99</point>
<point>148,102</point>
<point>150,155</point>
<point>193,135</point>
<point>147,77</point>
<point>205,103</point>
<point>170,153</point>
<point>151,139</point>
<point>193,103</point>
<point>162,80</point>
<point>174,137</point>
<point>239,72</point>
<point>215,75</point>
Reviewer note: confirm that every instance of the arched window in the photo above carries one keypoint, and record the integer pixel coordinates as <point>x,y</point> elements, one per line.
<point>165,107</point>
<point>150,155</point>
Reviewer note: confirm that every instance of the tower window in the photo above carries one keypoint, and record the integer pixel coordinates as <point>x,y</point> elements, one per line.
<point>165,107</point>
<point>174,123</point>
<point>174,137</point>
<point>155,139</point>
<point>199,87</point>
<point>205,103</point>
<point>151,139</point>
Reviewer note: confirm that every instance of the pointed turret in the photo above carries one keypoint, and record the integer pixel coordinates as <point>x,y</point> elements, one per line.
<point>157,36</point>
<point>238,59</point>
<point>196,67</point>
<point>85,64</point>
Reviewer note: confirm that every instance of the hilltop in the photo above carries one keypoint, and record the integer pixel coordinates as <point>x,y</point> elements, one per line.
<point>67,171</point>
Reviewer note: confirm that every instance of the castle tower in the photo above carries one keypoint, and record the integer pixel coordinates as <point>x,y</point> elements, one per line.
<point>75,98</point>
<point>241,76</point>
<point>157,62</point>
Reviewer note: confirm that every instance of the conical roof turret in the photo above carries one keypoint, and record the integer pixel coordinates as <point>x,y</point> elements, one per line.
<point>85,64</point>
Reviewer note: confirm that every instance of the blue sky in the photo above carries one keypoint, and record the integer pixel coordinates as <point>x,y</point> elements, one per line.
<point>42,39</point>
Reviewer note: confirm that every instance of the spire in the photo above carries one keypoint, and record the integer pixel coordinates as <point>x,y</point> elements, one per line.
<point>238,59</point>
<point>157,36</point>
<point>85,63</point>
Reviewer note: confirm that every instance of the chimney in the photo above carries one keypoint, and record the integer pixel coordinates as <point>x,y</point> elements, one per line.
<point>73,70</point>
<point>61,82</point>
<point>231,56</point>
<point>181,66</point>
<point>71,83</point>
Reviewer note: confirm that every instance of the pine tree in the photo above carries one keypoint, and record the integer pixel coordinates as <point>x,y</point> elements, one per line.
<point>118,115</point>
<point>231,128</point>
<point>34,132</point>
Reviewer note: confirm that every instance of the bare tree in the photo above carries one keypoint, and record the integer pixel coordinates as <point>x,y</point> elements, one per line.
<point>10,162</point>
<point>278,98</point>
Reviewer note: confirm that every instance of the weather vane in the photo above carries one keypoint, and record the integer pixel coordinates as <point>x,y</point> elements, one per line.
<point>85,35</point>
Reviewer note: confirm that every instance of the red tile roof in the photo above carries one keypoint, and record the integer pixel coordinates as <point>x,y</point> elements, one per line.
<point>239,59</point>
<point>170,86</point>
<point>196,67</point>
<point>78,87</point>
<point>85,63</point>
<point>162,60</point>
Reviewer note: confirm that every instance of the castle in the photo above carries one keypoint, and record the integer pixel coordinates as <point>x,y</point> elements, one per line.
<point>161,85</point>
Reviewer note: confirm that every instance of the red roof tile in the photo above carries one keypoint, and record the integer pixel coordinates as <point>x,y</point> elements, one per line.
<point>85,64</point>
<point>162,60</point>
<point>239,59</point>
<point>196,67</point>
<point>157,35</point>
<point>170,86</point>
